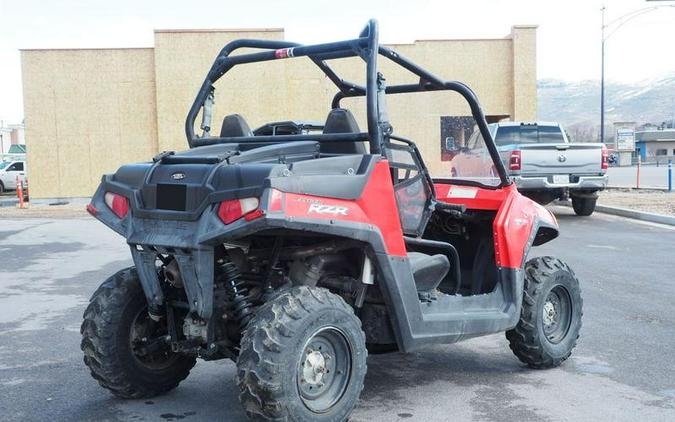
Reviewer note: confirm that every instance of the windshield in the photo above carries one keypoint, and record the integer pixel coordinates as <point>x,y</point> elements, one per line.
<point>529,134</point>
<point>3,164</point>
<point>466,153</point>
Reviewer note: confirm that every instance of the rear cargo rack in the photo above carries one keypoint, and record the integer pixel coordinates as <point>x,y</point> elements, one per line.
<point>246,152</point>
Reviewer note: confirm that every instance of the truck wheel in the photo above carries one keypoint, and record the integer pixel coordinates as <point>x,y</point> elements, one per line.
<point>583,206</point>
<point>123,347</point>
<point>302,358</point>
<point>550,319</point>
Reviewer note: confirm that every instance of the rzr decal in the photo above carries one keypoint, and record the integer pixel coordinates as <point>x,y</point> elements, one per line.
<point>327,209</point>
<point>376,207</point>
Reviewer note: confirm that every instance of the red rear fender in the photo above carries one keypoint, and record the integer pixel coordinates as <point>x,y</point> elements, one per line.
<point>519,224</point>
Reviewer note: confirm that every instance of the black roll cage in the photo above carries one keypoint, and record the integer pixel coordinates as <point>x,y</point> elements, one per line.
<point>365,46</point>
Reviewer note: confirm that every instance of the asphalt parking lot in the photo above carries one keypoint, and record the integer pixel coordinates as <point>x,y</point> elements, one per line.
<point>622,370</point>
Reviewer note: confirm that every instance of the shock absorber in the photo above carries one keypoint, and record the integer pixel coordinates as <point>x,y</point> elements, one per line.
<point>237,292</point>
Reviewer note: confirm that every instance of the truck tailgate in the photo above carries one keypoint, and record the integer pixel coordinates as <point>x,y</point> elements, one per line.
<point>573,158</point>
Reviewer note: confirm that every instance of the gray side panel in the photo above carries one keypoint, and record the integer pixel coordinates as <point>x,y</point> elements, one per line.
<point>450,318</point>
<point>147,273</point>
<point>197,272</point>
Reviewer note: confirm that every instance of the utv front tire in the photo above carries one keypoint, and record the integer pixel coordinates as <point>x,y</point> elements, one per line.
<point>302,358</point>
<point>583,206</point>
<point>550,318</point>
<point>115,318</point>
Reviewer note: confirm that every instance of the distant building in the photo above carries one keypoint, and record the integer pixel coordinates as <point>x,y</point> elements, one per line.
<point>655,144</point>
<point>11,135</point>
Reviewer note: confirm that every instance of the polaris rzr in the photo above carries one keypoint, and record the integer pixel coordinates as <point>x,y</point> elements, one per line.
<point>294,255</point>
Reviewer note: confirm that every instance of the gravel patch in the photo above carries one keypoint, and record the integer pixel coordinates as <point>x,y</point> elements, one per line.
<point>44,211</point>
<point>657,202</point>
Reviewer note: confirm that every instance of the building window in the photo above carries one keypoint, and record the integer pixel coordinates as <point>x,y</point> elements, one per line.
<point>662,151</point>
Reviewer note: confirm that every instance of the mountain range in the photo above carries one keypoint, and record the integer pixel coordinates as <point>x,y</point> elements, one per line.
<point>577,104</point>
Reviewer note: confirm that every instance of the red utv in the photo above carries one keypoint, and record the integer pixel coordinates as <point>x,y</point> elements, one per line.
<point>296,254</point>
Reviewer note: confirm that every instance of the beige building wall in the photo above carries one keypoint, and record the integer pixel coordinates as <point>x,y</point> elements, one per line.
<point>182,59</point>
<point>89,111</point>
<point>524,41</point>
<point>86,112</point>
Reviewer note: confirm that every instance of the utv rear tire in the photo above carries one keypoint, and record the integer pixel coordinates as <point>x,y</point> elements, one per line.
<point>583,206</point>
<point>302,358</point>
<point>111,317</point>
<point>550,318</point>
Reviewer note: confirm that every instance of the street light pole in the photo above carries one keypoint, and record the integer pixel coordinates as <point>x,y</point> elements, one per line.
<point>602,80</point>
<point>619,22</point>
<point>2,139</point>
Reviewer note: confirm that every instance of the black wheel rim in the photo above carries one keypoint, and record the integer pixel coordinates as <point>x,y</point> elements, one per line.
<point>557,314</point>
<point>146,340</point>
<point>324,369</point>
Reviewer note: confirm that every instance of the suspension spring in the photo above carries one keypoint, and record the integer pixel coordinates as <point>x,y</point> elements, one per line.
<point>238,293</point>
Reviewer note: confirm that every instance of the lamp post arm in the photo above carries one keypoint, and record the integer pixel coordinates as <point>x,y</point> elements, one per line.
<point>616,23</point>
<point>624,19</point>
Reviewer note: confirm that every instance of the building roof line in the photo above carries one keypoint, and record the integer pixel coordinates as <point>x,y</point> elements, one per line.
<point>85,48</point>
<point>448,40</point>
<point>211,30</point>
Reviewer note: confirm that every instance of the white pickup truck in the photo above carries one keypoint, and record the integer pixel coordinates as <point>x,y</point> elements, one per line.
<point>9,171</point>
<point>546,166</point>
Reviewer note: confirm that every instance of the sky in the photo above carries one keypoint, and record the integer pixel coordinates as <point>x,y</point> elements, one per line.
<point>568,39</point>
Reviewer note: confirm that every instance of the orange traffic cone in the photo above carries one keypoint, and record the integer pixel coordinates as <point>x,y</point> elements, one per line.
<point>19,191</point>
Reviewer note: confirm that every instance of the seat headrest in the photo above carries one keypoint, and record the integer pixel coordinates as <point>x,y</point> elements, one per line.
<point>340,120</point>
<point>234,125</point>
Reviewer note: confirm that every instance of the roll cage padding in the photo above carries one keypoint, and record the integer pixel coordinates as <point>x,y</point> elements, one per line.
<point>368,48</point>
<point>235,125</point>
<point>341,120</point>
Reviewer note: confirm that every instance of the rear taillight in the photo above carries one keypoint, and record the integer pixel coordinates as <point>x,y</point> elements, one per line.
<point>514,160</point>
<point>233,209</point>
<point>605,158</point>
<point>117,203</point>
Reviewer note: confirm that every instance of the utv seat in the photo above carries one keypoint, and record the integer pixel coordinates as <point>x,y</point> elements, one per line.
<point>234,126</point>
<point>341,120</point>
<point>428,272</point>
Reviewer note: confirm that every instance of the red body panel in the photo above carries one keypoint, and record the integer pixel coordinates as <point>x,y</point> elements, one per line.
<point>376,206</point>
<point>513,223</point>
<point>473,197</point>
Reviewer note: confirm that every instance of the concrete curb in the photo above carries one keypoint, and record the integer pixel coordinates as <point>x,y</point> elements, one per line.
<point>8,202</point>
<point>61,201</point>
<point>628,213</point>
<point>637,215</point>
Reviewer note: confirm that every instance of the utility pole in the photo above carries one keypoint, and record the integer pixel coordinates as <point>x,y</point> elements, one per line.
<point>602,80</point>
<point>2,139</point>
